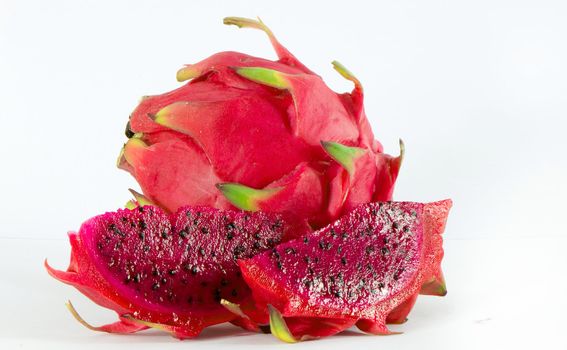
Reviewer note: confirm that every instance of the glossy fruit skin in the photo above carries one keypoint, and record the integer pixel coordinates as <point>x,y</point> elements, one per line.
<point>259,125</point>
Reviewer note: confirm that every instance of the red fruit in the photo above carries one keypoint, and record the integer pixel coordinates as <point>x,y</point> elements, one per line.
<point>367,266</point>
<point>246,132</point>
<point>167,271</point>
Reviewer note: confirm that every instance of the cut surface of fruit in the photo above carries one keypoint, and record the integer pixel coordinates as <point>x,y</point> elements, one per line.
<point>362,267</point>
<point>153,268</point>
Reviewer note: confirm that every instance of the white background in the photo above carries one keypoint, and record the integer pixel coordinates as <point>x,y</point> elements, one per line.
<point>476,89</point>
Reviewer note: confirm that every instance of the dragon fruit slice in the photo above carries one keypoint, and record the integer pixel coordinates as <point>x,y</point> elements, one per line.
<point>359,269</point>
<point>167,271</point>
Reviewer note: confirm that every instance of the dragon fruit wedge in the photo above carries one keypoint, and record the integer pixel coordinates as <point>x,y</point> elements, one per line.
<point>167,271</point>
<point>361,270</point>
<point>257,134</point>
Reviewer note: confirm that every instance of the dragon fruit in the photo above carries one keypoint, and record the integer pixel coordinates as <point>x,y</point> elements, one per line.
<point>257,134</point>
<point>168,271</point>
<point>364,268</point>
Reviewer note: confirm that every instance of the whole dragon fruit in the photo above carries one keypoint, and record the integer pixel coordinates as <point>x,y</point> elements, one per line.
<point>257,134</point>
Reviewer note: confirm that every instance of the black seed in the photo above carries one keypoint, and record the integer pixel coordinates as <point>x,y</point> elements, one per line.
<point>289,250</point>
<point>146,248</point>
<point>373,211</point>
<point>112,227</point>
<point>271,242</point>
<point>213,254</point>
<point>188,214</point>
<point>395,225</point>
<point>204,230</point>
<point>380,285</point>
<point>340,249</point>
<point>398,273</point>
<point>172,272</point>
<point>344,235</point>
<point>190,300</point>
<point>308,282</point>
<point>305,240</point>
<point>321,245</point>
<point>384,250</point>
<point>257,235</point>
<point>239,249</point>
<point>164,280</point>
<point>183,234</point>
<point>202,251</point>
<point>234,293</point>
<point>275,253</point>
<point>337,294</point>
<point>328,246</point>
<point>246,217</point>
<point>230,226</point>
<point>196,222</point>
<point>142,235</point>
<point>333,233</point>
<point>369,249</point>
<point>155,286</point>
<point>141,209</point>
<point>343,261</point>
<point>385,240</point>
<point>155,271</point>
<point>310,270</point>
<point>256,245</point>
<point>369,267</point>
<point>277,224</point>
<point>224,282</point>
<point>118,232</point>
<point>137,278</point>
<point>307,259</point>
<point>217,294</point>
<point>316,260</point>
<point>142,224</point>
<point>229,236</point>
<point>127,279</point>
<point>194,270</point>
<point>413,213</point>
<point>279,265</point>
<point>406,229</point>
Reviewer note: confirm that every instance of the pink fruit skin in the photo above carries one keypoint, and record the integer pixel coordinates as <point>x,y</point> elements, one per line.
<point>223,127</point>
